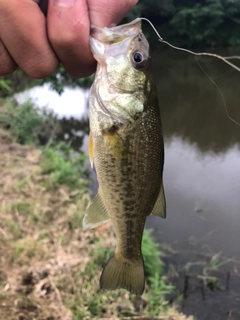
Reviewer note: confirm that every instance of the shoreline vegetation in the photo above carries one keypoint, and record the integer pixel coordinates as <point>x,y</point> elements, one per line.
<point>205,24</point>
<point>50,266</point>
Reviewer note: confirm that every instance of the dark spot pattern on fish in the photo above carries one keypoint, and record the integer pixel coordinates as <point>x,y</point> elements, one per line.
<point>128,145</point>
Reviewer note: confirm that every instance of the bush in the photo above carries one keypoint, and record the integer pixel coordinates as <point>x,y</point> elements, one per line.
<point>64,166</point>
<point>155,275</point>
<point>27,123</point>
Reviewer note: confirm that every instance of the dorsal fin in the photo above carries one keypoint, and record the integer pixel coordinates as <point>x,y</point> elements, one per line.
<point>96,214</point>
<point>159,208</point>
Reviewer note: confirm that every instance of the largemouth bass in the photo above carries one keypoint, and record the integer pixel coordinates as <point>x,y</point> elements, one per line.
<point>126,147</point>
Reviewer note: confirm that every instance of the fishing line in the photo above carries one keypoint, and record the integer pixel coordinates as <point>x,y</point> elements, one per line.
<point>220,92</point>
<point>224,59</point>
<point>232,57</point>
<point>160,38</point>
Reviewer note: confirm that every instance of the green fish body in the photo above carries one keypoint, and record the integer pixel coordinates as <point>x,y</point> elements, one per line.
<point>126,147</point>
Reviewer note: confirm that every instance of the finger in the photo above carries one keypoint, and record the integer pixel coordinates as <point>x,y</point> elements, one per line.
<point>104,13</point>
<point>7,64</point>
<point>23,32</point>
<point>68,31</point>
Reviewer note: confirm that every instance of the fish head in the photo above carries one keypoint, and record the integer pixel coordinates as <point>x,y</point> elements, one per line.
<point>122,53</point>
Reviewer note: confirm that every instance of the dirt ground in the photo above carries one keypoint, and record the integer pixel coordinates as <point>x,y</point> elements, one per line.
<point>46,258</point>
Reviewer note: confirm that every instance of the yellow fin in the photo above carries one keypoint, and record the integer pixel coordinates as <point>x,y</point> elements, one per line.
<point>116,145</point>
<point>159,208</point>
<point>96,213</point>
<point>122,273</point>
<point>90,148</point>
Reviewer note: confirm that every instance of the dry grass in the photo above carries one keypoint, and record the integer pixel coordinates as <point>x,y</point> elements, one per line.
<point>49,265</point>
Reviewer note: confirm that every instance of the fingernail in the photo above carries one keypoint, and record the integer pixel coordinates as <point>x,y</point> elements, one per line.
<point>64,3</point>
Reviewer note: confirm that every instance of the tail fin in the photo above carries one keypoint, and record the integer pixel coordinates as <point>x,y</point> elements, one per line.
<point>122,273</point>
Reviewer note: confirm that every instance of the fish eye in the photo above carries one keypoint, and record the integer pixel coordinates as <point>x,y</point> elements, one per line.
<point>139,60</point>
<point>137,57</point>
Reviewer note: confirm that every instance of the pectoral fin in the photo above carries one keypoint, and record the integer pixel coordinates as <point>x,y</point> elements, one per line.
<point>116,145</point>
<point>90,148</point>
<point>159,208</point>
<point>96,213</point>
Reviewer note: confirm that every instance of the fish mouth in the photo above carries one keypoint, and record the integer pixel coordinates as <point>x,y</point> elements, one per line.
<point>118,33</point>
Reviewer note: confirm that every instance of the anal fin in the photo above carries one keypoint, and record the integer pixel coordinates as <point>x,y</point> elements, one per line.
<point>96,213</point>
<point>159,208</point>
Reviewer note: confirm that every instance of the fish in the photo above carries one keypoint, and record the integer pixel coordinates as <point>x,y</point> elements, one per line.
<point>125,147</point>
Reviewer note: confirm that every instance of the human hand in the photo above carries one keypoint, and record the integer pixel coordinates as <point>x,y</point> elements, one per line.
<point>37,43</point>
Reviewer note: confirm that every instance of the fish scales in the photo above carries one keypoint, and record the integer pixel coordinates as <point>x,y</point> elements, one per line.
<point>126,146</point>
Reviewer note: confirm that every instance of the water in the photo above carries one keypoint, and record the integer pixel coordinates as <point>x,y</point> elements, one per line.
<point>202,183</point>
<point>201,178</point>
<point>71,103</point>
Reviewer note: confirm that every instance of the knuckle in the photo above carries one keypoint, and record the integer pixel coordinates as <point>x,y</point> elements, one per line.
<point>7,64</point>
<point>7,68</point>
<point>41,69</point>
<point>67,40</point>
<point>63,37</point>
<point>6,72</point>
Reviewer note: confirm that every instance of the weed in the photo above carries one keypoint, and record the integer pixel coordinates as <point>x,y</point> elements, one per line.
<point>21,120</point>
<point>5,87</point>
<point>2,297</point>
<point>152,262</point>
<point>79,314</point>
<point>156,296</point>
<point>23,183</point>
<point>13,228</point>
<point>75,221</point>
<point>94,305</point>
<point>154,270</point>
<point>25,250</point>
<point>76,306</point>
<point>18,248</point>
<point>64,166</point>
<point>22,207</point>
<point>216,262</point>
<point>25,210</point>
<point>27,123</point>
<point>27,304</point>
<point>209,269</point>
<point>43,235</point>
<point>102,256</point>
<point>47,240</point>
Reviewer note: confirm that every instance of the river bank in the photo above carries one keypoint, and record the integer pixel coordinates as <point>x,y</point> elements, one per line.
<point>50,266</point>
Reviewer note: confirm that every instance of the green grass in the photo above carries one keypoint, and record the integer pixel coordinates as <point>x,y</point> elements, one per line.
<point>5,87</point>
<point>13,228</point>
<point>42,220</point>
<point>25,210</point>
<point>22,121</point>
<point>64,166</point>
<point>30,125</point>
<point>158,286</point>
<point>209,270</point>
<point>27,123</point>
